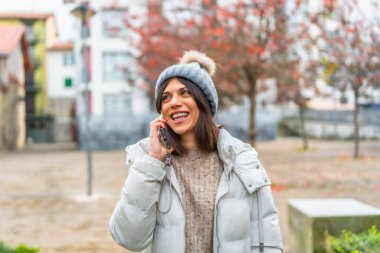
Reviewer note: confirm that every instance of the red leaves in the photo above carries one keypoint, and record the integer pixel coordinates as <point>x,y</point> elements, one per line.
<point>219,31</point>
<point>329,5</point>
<point>224,13</point>
<point>298,3</point>
<point>215,44</point>
<point>253,50</point>
<point>278,187</point>
<point>236,39</point>
<point>207,21</point>
<point>190,22</point>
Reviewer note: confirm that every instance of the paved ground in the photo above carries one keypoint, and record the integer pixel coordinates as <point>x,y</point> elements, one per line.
<point>43,201</point>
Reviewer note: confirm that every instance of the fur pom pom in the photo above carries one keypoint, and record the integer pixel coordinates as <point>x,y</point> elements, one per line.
<point>196,56</point>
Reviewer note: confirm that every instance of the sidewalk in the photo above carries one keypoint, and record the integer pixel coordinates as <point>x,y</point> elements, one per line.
<point>49,147</point>
<point>44,204</point>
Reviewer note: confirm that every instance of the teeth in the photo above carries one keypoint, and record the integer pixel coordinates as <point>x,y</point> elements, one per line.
<point>180,114</point>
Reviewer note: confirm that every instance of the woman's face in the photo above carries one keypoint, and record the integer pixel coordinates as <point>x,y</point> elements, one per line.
<point>179,108</point>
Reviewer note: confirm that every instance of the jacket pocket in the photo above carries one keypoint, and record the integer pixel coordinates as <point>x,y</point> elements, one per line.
<point>271,230</point>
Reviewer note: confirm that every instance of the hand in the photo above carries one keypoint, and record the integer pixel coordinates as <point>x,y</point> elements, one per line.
<point>157,149</point>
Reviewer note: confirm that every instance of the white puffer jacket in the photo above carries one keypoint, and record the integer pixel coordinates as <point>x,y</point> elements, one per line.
<point>245,215</point>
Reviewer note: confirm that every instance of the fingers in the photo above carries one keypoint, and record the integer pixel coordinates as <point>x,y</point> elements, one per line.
<point>158,121</point>
<point>157,149</point>
<point>155,125</point>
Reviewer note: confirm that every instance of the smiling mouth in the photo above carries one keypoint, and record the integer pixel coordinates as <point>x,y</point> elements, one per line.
<point>178,117</point>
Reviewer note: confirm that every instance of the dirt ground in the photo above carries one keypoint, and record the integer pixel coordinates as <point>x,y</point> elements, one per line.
<point>43,200</point>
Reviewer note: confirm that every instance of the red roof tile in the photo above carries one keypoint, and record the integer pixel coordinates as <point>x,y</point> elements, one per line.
<point>10,36</point>
<point>62,46</point>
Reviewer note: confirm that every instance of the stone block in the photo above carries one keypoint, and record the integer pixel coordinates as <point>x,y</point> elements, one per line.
<point>309,219</point>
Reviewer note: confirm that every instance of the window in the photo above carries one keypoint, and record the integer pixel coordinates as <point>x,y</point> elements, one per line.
<point>68,59</point>
<point>68,82</point>
<point>114,66</point>
<point>117,104</point>
<point>113,23</point>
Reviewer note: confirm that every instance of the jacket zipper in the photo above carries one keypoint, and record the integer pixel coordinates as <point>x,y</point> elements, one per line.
<point>260,221</point>
<point>227,178</point>
<point>216,217</point>
<point>183,209</point>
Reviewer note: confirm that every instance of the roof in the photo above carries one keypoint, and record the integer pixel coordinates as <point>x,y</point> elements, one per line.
<point>20,15</point>
<point>62,46</point>
<point>10,36</point>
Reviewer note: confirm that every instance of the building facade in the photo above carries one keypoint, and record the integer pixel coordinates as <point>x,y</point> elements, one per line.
<point>115,99</point>
<point>110,60</point>
<point>61,90</point>
<point>41,33</point>
<point>14,65</point>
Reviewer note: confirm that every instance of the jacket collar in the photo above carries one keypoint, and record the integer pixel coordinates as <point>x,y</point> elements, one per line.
<point>235,155</point>
<point>228,149</point>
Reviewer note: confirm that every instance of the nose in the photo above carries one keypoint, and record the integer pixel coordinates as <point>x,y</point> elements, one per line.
<point>176,100</point>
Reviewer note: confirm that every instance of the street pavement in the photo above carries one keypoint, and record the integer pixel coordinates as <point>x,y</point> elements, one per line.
<point>44,203</point>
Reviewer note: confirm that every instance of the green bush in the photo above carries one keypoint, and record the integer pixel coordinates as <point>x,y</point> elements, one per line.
<point>5,249</point>
<point>348,242</point>
<point>19,249</point>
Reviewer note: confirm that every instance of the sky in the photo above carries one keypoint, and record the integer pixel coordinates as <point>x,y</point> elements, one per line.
<point>65,21</point>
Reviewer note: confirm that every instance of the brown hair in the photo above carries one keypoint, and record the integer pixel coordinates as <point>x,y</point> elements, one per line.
<point>206,131</point>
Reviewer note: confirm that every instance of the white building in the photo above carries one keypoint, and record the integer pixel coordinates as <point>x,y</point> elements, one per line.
<point>109,59</point>
<point>61,89</point>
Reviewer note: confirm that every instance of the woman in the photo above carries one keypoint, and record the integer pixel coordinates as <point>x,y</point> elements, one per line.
<point>201,191</point>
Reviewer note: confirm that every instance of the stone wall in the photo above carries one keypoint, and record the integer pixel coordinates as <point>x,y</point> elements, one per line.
<point>12,125</point>
<point>336,124</point>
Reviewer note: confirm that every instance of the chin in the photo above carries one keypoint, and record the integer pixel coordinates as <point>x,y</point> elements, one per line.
<point>180,130</point>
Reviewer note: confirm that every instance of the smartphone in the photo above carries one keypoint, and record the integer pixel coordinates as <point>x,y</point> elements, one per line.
<point>164,137</point>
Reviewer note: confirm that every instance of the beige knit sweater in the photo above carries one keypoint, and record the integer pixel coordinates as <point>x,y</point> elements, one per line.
<point>198,175</point>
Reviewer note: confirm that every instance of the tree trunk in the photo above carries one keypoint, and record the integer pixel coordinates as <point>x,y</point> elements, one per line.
<point>303,127</point>
<point>356,124</point>
<point>251,77</point>
<point>252,118</point>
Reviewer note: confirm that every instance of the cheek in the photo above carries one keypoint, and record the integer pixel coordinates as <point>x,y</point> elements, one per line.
<point>196,117</point>
<point>164,110</point>
<point>195,113</point>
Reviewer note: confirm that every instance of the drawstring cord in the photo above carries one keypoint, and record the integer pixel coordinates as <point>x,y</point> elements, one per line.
<point>260,218</point>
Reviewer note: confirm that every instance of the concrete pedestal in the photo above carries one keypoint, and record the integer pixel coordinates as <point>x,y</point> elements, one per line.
<point>309,219</point>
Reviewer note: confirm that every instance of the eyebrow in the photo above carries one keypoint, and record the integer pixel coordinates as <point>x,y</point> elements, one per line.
<point>180,89</point>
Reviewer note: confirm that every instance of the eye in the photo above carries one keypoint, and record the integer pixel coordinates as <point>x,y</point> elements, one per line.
<point>165,98</point>
<point>185,93</point>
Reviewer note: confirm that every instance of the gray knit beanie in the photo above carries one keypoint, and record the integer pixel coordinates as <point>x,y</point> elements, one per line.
<point>197,68</point>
